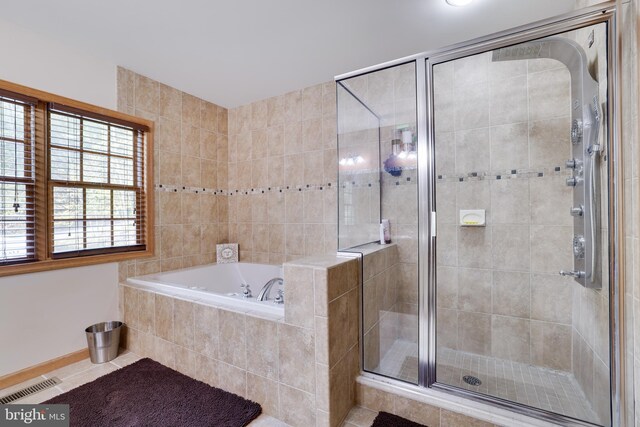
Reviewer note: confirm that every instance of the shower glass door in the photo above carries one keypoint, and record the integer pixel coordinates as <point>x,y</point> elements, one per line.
<point>520,143</point>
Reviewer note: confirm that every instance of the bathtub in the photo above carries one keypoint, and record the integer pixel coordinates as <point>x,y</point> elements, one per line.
<point>217,284</point>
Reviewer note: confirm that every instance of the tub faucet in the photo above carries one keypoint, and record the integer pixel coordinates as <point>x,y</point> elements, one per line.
<point>264,292</point>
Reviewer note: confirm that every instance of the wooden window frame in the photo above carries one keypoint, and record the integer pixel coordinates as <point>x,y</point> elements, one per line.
<point>45,259</point>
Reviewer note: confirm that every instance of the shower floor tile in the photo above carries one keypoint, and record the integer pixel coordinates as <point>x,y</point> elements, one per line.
<point>542,388</point>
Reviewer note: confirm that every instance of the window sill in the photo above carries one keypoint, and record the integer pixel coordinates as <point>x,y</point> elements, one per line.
<point>56,264</point>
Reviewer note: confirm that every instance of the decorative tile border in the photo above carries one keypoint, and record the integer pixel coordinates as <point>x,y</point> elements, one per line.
<point>373,179</point>
<point>245,191</point>
<point>506,174</point>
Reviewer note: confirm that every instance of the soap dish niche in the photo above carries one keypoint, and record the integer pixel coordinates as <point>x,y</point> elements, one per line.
<point>472,218</point>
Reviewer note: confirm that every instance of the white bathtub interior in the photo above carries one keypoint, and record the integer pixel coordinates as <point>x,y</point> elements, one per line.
<point>218,284</point>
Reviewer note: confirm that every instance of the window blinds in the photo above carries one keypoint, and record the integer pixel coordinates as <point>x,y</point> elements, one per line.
<point>96,183</point>
<point>17,181</point>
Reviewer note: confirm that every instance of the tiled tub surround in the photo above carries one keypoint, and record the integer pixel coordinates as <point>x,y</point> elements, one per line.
<point>190,173</point>
<point>300,368</point>
<point>284,146</point>
<point>499,292</point>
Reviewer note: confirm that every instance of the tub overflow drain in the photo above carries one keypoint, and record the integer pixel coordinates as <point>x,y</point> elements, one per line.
<point>471,380</point>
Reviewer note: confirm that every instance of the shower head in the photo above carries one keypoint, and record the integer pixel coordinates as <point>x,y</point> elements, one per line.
<point>529,50</point>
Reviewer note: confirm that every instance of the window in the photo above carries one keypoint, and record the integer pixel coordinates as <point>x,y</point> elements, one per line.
<point>17,185</point>
<point>74,183</point>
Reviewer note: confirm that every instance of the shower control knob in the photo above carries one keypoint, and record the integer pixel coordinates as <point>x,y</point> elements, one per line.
<point>577,211</point>
<point>575,274</point>
<point>573,181</point>
<point>573,164</point>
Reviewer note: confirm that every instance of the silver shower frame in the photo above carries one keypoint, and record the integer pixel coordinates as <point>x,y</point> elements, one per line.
<point>603,13</point>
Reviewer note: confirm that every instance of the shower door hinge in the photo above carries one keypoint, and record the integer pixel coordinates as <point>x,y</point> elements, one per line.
<point>433,224</point>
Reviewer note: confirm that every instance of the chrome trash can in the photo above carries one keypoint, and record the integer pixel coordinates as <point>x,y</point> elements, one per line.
<point>103,339</point>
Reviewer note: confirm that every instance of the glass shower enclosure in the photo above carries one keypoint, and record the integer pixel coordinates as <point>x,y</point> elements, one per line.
<point>492,162</point>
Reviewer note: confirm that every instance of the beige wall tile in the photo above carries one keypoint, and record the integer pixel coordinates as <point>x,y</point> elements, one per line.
<point>297,408</point>
<point>265,392</point>
<point>164,352</point>
<point>209,145</point>
<point>511,294</point>
<point>232,379</point>
<point>474,290</point>
<point>131,307</point>
<point>232,329</point>
<point>548,91</point>
<point>170,208</point>
<point>551,298</point>
<point>168,135</point>
<point>374,399</point>
<point>171,241</point>
<point>509,100</point>
<point>170,169</point>
<point>510,245</point>
<point>300,295</point>
<point>191,171</point>
<point>296,348</point>
<point>510,338</point>
<point>207,370</point>
<point>185,361</point>
<point>164,317</point>
<point>262,348</point>
<point>453,419</point>
<point>209,116</point>
<point>474,247</point>
<point>206,339</point>
<point>170,102</point>
<point>190,110</point>
<point>146,314</point>
<point>474,333</point>
<point>551,346</point>
<point>275,110</point>
<point>183,323</point>
<point>417,412</point>
<point>510,201</point>
<point>340,397</point>
<point>147,94</point>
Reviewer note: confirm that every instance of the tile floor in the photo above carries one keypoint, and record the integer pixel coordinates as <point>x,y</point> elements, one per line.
<point>543,388</point>
<point>82,372</point>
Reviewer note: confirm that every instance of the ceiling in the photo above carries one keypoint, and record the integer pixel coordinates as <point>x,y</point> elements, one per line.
<point>232,52</point>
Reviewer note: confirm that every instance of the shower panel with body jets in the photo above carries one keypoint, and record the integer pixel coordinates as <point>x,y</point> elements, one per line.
<point>586,150</point>
<point>512,306</point>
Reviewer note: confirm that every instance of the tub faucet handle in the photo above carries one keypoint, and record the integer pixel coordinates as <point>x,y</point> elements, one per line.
<point>279,297</point>
<point>246,293</point>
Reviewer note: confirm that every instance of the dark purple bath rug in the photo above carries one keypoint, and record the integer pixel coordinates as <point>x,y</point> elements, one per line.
<point>147,393</point>
<point>385,419</point>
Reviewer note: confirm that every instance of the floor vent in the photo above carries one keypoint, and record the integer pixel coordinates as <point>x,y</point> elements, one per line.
<point>471,380</point>
<point>27,391</point>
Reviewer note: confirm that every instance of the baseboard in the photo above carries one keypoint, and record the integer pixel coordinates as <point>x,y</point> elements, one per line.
<point>42,368</point>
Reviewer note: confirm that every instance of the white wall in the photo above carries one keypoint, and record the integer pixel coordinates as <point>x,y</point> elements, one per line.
<point>43,315</point>
<point>33,60</point>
